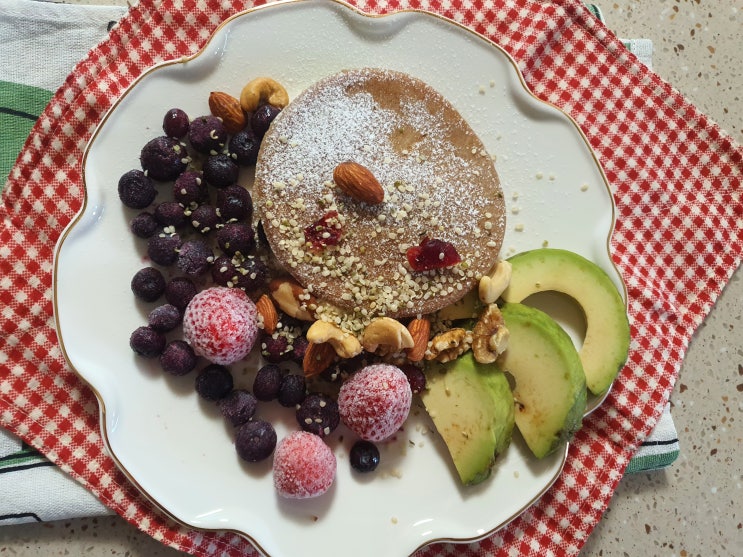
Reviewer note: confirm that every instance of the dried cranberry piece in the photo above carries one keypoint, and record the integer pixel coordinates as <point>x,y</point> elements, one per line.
<point>326,231</point>
<point>432,254</point>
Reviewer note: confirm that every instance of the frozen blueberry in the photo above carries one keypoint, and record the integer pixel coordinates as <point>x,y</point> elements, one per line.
<point>299,347</point>
<point>195,257</point>
<point>244,146</point>
<point>207,134</point>
<point>164,158</point>
<point>236,237</point>
<point>179,291</point>
<point>190,190</point>
<point>136,189</point>
<point>170,213</point>
<point>164,318</point>
<point>148,284</point>
<point>293,389</point>
<point>143,225</point>
<point>214,382</point>
<point>162,248</point>
<point>205,218</point>
<point>178,358</point>
<point>416,377</point>
<point>275,348</point>
<point>318,414</point>
<point>224,272</point>
<point>238,407</point>
<point>262,118</point>
<point>252,274</point>
<point>235,203</point>
<point>255,440</point>
<point>176,123</point>
<point>267,382</point>
<point>147,342</point>
<point>364,456</point>
<point>220,170</point>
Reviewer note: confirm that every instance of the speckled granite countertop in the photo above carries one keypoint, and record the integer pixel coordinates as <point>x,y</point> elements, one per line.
<point>695,506</point>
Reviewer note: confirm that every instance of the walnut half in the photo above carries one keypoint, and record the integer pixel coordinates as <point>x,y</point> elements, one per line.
<point>449,345</point>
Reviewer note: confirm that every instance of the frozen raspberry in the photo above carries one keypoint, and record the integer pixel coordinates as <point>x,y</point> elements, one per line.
<point>235,203</point>
<point>303,466</point>
<point>364,456</point>
<point>318,414</point>
<point>432,254</point>
<point>416,378</point>
<point>238,407</point>
<point>170,213</point>
<point>375,402</point>
<point>176,123</point>
<point>244,146</point>
<point>267,382</point>
<point>148,284</point>
<point>207,134</point>
<point>214,382</point>
<point>178,358</point>
<point>164,318</point>
<point>261,119</point>
<point>190,190</point>
<point>220,170</point>
<point>292,390</point>
<point>143,225</point>
<point>195,257</point>
<point>147,342</point>
<point>179,291</point>
<point>205,218</point>
<point>164,158</point>
<point>162,248</point>
<point>255,440</point>
<point>221,324</point>
<point>136,189</point>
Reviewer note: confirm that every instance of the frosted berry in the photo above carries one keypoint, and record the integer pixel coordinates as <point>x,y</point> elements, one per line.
<point>224,272</point>
<point>236,237</point>
<point>292,390</point>
<point>190,190</point>
<point>162,248</point>
<point>244,146</point>
<point>255,440</point>
<point>235,203</point>
<point>318,414</point>
<point>164,158</point>
<point>364,456</point>
<point>148,284</point>
<point>136,189</point>
<point>176,123</point>
<point>147,342</point>
<point>252,274</point>
<point>238,407</point>
<point>178,358</point>
<point>170,213</point>
<point>214,382</point>
<point>205,218</point>
<point>416,378</point>
<point>267,382</point>
<point>195,257</point>
<point>164,318</point>
<point>144,225</point>
<point>303,466</point>
<point>261,119</point>
<point>220,170</point>
<point>207,134</point>
<point>179,291</point>
<point>275,348</point>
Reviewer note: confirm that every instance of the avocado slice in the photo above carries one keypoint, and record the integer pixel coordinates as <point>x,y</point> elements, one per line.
<point>607,338</point>
<point>472,407</point>
<point>550,385</point>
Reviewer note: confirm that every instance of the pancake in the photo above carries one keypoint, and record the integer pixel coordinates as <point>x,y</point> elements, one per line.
<point>439,182</point>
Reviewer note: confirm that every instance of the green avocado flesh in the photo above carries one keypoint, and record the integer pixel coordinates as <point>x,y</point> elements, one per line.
<point>607,338</point>
<point>550,385</point>
<point>472,407</point>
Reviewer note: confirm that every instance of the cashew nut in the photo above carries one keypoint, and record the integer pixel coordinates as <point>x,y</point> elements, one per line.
<point>489,335</point>
<point>263,90</point>
<point>345,344</point>
<point>449,345</point>
<point>493,284</point>
<point>385,335</point>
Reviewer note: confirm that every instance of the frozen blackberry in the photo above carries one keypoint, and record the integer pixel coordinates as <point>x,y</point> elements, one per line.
<point>179,291</point>
<point>164,158</point>
<point>262,118</point>
<point>214,382</point>
<point>220,170</point>
<point>236,237</point>
<point>276,348</point>
<point>147,342</point>
<point>364,456</point>
<point>252,274</point>
<point>148,284</point>
<point>143,225</point>
<point>255,440</point>
<point>178,358</point>
<point>195,257</point>
<point>176,123</point>
<point>318,414</point>
<point>170,213</point>
<point>136,189</point>
<point>205,218</point>
<point>238,407</point>
<point>244,147</point>
<point>267,382</point>
<point>190,190</point>
<point>224,272</point>
<point>207,134</point>
<point>164,318</point>
<point>416,377</point>
<point>162,248</point>
<point>235,203</point>
<point>292,391</point>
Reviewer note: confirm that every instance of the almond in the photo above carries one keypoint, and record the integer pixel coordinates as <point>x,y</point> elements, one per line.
<point>227,107</point>
<point>358,182</point>
<point>268,314</point>
<point>293,299</point>
<point>317,358</point>
<point>419,329</point>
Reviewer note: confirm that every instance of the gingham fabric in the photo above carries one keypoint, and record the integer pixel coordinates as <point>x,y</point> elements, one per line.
<point>679,236</point>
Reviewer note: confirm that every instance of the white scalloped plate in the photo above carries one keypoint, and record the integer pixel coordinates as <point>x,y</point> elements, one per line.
<point>176,448</point>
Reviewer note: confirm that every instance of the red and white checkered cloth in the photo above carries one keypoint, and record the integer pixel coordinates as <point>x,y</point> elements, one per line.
<point>677,180</point>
